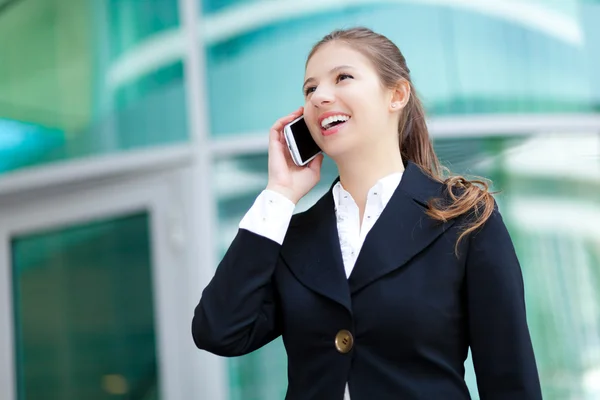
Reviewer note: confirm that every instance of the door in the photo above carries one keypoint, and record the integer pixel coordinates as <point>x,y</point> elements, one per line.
<point>94,302</point>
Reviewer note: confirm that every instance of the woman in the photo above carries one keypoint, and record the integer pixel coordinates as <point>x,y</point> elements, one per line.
<point>380,288</point>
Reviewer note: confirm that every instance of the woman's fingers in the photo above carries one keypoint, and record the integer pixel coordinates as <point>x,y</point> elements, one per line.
<point>277,128</point>
<point>316,163</point>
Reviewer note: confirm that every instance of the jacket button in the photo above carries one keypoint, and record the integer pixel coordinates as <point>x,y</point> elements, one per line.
<point>344,341</point>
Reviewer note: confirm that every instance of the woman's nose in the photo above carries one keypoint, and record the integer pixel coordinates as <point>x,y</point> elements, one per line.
<point>322,97</point>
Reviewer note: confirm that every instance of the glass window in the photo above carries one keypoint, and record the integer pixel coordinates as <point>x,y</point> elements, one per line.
<point>212,6</point>
<point>69,89</point>
<point>463,60</point>
<point>84,315</point>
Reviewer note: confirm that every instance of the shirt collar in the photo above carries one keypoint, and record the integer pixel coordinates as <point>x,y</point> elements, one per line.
<point>385,188</point>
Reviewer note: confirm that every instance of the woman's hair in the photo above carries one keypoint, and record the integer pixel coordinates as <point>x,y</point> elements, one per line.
<point>464,196</point>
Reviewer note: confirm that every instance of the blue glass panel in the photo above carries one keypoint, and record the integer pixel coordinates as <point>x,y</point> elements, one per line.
<point>84,316</point>
<point>462,62</point>
<point>57,100</point>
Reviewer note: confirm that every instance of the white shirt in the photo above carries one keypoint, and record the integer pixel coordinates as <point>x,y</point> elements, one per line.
<point>271,214</point>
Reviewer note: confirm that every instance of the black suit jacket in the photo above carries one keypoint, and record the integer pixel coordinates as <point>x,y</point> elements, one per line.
<point>412,306</point>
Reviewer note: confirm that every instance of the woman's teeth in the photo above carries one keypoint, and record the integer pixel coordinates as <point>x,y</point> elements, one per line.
<point>329,122</point>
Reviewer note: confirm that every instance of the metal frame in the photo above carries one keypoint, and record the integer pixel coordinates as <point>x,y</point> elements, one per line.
<point>105,166</point>
<point>467,126</point>
<point>204,149</point>
<point>207,372</point>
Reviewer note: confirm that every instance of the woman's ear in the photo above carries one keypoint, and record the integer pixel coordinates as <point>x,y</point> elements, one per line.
<point>400,95</point>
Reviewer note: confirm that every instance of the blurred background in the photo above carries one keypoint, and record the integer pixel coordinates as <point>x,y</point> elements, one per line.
<point>133,139</point>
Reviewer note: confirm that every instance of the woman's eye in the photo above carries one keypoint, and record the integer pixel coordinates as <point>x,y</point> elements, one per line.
<point>339,78</point>
<point>309,90</point>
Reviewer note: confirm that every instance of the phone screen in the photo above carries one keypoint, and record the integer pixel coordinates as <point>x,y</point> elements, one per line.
<point>305,143</point>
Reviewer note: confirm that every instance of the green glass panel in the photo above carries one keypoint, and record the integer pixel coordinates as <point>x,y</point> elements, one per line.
<point>463,60</point>
<point>61,97</point>
<point>549,194</point>
<point>83,308</point>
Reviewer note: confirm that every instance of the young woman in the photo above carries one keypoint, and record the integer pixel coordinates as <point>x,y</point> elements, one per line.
<point>381,287</point>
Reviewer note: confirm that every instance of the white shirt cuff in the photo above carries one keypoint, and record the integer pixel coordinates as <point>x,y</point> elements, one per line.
<point>269,216</point>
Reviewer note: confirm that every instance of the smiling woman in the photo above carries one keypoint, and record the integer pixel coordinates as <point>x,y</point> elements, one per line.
<point>391,265</point>
<point>484,79</point>
<point>379,68</point>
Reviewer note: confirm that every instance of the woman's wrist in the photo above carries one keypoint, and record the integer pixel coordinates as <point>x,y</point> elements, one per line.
<point>286,192</point>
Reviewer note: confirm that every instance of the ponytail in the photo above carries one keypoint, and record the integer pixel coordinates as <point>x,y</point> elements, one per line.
<point>465,196</point>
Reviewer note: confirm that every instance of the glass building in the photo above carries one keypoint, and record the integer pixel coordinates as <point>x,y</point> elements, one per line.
<point>133,139</point>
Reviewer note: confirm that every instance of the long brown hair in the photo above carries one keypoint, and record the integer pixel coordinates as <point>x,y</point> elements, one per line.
<point>464,196</point>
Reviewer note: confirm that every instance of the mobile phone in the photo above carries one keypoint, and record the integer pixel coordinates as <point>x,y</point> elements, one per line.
<point>300,143</point>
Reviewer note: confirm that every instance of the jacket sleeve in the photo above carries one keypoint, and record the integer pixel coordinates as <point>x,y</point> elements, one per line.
<point>238,311</point>
<point>499,336</point>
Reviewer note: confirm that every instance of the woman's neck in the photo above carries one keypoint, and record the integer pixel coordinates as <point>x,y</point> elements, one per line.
<point>360,172</point>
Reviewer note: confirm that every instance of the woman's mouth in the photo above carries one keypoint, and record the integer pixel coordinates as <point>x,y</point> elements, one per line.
<point>333,124</point>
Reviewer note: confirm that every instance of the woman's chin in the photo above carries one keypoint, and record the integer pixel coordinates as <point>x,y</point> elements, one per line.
<point>337,151</point>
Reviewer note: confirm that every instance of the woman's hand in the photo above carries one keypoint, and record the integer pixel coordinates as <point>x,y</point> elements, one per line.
<point>285,177</point>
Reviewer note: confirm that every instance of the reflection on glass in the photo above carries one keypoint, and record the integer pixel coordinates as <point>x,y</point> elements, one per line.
<point>58,96</point>
<point>464,60</point>
<point>84,312</point>
<point>548,194</point>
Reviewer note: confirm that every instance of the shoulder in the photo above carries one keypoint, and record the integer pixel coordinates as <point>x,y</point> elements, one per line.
<point>493,228</point>
<point>491,248</point>
<point>314,214</point>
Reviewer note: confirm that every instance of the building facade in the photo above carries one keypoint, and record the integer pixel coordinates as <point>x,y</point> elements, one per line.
<point>133,139</point>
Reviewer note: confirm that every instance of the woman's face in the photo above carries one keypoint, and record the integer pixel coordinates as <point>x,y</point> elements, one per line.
<point>346,108</point>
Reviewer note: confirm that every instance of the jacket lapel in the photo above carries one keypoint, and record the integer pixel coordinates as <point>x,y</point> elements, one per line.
<point>402,231</point>
<point>312,251</point>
